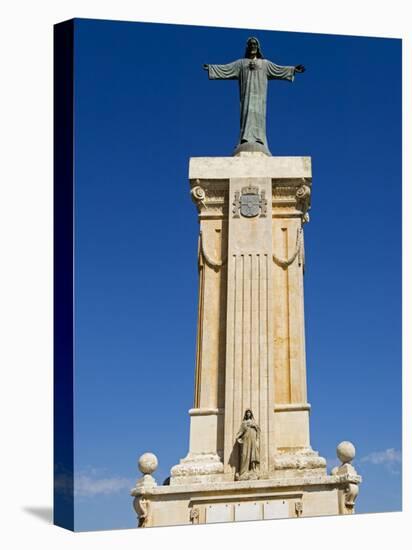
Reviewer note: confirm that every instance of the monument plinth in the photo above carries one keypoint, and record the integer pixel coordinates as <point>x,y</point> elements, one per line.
<point>249,453</point>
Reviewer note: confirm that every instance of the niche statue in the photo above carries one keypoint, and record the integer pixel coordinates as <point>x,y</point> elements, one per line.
<point>248,440</point>
<point>253,73</point>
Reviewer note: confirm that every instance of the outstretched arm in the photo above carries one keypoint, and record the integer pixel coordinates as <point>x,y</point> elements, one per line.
<point>278,72</point>
<point>223,72</point>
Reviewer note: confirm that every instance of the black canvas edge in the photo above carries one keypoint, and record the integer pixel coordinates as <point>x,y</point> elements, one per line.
<point>63,264</point>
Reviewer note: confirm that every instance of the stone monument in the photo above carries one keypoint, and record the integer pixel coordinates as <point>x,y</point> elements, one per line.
<point>249,454</point>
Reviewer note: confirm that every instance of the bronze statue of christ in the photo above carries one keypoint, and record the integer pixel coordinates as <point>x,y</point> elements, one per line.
<point>253,73</point>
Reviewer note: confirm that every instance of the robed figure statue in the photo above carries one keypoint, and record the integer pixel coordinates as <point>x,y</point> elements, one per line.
<point>248,440</point>
<point>253,73</point>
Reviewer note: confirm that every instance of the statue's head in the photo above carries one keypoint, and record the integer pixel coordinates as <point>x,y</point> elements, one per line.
<point>253,48</point>
<point>248,415</point>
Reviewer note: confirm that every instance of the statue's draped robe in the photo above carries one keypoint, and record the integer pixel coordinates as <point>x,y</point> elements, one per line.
<point>249,435</point>
<point>253,84</point>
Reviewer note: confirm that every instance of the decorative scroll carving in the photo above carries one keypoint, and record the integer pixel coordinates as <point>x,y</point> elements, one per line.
<point>142,506</point>
<point>286,262</point>
<point>210,200</point>
<point>303,200</point>
<point>349,481</point>
<point>351,492</point>
<point>198,195</point>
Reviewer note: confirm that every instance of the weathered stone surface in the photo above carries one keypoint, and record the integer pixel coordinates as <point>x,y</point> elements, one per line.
<point>299,459</point>
<point>197,468</point>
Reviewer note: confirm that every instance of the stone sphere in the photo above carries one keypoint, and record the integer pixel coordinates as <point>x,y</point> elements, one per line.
<point>345,451</point>
<point>148,463</point>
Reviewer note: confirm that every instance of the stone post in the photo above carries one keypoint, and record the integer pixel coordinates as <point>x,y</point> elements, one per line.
<point>347,473</point>
<point>147,464</point>
<point>250,336</point>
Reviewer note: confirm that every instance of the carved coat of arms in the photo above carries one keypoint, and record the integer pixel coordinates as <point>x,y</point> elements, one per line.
<point>249,203</point>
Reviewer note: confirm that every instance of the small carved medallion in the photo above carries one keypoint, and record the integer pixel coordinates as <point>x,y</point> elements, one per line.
<point>194,516</point>
<point>250,203</point>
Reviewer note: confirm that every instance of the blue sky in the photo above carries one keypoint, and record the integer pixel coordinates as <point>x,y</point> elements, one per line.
<point>143,107</point>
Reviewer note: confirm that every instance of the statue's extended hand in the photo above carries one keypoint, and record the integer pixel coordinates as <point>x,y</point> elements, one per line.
<point>239,441</point>
<point>300,69</point>
<point>205,66</point>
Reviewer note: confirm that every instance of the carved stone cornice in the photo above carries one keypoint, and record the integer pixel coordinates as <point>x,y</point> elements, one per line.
<point>211,198</point>
<point>291,198</point>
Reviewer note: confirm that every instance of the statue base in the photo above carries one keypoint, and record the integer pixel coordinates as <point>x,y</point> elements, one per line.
<point>251,147</point>
<point>304,495</point>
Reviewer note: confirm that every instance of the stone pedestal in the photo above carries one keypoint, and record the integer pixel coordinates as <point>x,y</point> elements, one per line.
<point>250,350</point>
<point>214,502</point>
